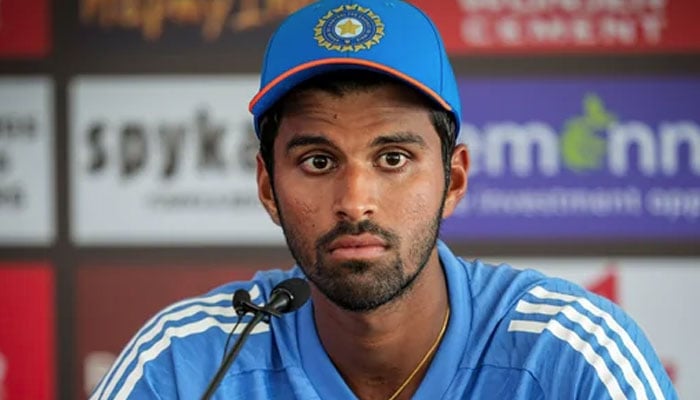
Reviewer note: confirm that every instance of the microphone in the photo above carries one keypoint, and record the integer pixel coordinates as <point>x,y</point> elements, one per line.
<point>289,295</point>
<point>240,298</point>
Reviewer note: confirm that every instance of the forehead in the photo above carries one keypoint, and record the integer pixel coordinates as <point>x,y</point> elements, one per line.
<point>388,107</point>
<point>382,94</point>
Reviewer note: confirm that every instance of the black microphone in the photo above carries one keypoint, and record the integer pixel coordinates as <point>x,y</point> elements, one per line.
<point>240,298</point>
<point>289,295</point>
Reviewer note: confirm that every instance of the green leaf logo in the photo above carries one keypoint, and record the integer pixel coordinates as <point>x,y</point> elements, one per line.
<point>583,149</point>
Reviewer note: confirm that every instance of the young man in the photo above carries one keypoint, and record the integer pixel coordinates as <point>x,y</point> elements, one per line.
<point>357,117</point>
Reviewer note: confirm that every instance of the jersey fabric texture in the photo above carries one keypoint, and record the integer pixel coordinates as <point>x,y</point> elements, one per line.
<point>511,335</point>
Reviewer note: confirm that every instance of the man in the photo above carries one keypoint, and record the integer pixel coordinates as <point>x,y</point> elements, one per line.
<point>357,117</point>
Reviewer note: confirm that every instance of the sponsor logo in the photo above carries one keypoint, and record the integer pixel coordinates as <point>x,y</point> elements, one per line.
<point>596,163</point>
<point>26,161</point>
<point>173,159</point>
<point>565,26</point>
<point>349,28</point>
<point>169,153</point>
<point>16,129</point>
<point>214,17</point>
<point>597,140</point>
<point>584,23</point>
<point>160,150</point>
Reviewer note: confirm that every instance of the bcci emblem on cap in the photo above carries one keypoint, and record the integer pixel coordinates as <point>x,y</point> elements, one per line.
<point>349,28</point>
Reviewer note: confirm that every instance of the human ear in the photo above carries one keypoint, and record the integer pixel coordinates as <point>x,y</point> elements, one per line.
<point>459,171</point>
<point>265,192</point>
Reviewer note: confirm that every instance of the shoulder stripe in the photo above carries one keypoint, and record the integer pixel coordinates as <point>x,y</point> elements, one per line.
<point>603,339</point>
<point>519,325</point>
<point>152,328</point>
<point>543,293</point>
<point>525,307</point>
<point>176,332</point>
<point>595,360</point>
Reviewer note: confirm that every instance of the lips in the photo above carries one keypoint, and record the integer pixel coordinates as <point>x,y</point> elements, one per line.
<point>357,246</point>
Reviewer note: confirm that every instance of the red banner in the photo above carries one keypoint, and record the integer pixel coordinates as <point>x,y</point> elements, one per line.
<point>566,26</point>
<point>24,28</point>
<point>27,347</point>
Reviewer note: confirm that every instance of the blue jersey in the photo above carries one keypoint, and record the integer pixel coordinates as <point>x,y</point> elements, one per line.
<point>511,335</point>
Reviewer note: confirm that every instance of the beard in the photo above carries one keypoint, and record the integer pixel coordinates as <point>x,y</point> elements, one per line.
<point>361,285</point>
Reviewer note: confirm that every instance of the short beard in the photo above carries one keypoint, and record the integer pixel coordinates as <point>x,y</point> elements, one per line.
<point>376,284</point>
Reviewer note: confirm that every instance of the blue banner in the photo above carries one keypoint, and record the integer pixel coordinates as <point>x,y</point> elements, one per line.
<point>580,158</point>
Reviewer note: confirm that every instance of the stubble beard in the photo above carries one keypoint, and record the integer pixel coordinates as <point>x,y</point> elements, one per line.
<point>360,285</point>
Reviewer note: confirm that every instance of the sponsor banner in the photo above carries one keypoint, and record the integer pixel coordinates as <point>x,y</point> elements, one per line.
<point>165,160</point>
<point>114,301</point>
<point>656,292</point>
<point>24,28</point>
<point>26,161</point>
<point>576,158</point>
<point>27,333</point>
<point>565,26</point>
<point>180,25</point>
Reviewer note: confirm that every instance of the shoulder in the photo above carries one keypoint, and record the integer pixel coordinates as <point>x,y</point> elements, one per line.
<point>184,340</point>
<point>566,336</point>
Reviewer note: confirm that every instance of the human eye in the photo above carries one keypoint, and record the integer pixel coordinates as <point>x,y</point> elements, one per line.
<point>317,164</point>
<point>392,160</point>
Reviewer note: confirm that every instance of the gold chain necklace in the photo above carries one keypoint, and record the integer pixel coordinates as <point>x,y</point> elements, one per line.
<point>425,357</point>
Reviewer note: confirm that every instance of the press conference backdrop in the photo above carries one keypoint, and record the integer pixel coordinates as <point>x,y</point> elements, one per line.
<point>127,164</point>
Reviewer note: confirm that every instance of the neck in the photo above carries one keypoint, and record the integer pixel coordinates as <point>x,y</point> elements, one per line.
<point>376,351</point>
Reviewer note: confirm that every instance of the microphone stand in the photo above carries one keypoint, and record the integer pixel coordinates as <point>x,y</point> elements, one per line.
<point>260,314</point>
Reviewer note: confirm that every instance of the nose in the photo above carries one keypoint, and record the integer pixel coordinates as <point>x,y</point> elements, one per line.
<point>355,194</point>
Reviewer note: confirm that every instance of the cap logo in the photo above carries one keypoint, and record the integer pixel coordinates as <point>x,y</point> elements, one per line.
<point>349,28</point>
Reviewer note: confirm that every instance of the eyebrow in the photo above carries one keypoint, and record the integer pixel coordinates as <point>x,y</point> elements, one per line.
<point>399,138</point>
<point>308,140</point>
<point>395,138</point>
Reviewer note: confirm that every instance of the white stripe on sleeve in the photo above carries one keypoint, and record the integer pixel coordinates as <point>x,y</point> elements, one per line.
<point>543,293</point>
<point>174,332</point>
<point>153,327</point>
<point>596,330</point>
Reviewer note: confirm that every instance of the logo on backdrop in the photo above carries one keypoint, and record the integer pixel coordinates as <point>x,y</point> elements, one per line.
<point>161,149</point>
<point>589,142</point>
<point>594,158</point>
<point>172,159</point>
<point>213,18</point>
<point>170,151</point>
<point>583,23</point>
<point>26,161</point>
<point>590,26</point>
<point>16,129</point>
<point>596,142</point>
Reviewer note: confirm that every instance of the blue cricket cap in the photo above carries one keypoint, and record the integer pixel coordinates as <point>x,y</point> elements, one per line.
<point>387,36</point>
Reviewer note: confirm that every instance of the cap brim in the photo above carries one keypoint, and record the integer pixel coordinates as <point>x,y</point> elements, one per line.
<point>268,95</point>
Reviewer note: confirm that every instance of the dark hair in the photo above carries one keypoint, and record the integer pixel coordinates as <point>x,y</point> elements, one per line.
<point>340,83</point>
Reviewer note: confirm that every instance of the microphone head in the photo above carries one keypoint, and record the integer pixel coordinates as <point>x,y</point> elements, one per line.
<point>298,291</point>
<point>240,298</point>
